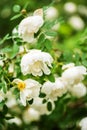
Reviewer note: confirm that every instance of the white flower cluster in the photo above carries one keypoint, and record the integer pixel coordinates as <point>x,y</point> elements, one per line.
<point>73,75</point>
<point>42,107</point>
<point>30,89</point>
<point>37,63</point>
<point>55,89</point>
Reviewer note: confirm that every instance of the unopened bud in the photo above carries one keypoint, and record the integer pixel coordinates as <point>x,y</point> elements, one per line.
<point>23,11</point>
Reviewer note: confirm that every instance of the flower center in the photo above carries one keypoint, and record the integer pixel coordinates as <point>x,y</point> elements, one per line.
<point>21,86</point>
<point>37,66</point>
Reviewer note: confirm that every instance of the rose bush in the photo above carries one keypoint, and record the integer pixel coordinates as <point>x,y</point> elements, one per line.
<point>39,79</point>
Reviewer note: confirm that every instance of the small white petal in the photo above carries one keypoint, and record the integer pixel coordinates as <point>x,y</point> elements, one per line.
<point>23,98</point>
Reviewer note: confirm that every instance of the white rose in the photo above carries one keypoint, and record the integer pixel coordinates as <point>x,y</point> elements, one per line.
<point>51,13</point>
<point>54,90</point>
<point>29,26</point>
<point>83,124</point>
<point>30,115</point>
<point>78,90</point>
<point>76,22</point>
<point>36,63</point>
<point>73,74</point>
<point>29,89</point>
<point>70,7</point>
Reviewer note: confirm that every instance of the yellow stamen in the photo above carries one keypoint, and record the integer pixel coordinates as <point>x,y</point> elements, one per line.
<point>21,86</point>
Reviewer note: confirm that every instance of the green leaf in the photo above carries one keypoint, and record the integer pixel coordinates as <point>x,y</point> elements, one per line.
<point>26,5</point>
<point>51,78</point>
<point>9,117</point>
<point>14,50</point>
<point>51,33</point>
<point>48,6</point>
<point>48,44</point>
<point>6,37</point>
<point>68,56</point>
<point>44,101</point>
<point>49,106</point>
<point>41,40</point>
<point>16,16</point>
<point>42,95</point>
<point>15,91</point>
<point>1,84</point>
<point>2,103</point>
<point>48,24</point>
<point>5,109</point>
<point>4,85</point>
<point>84,63</point>
<point>30,102</point>
<point>6,49</point>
